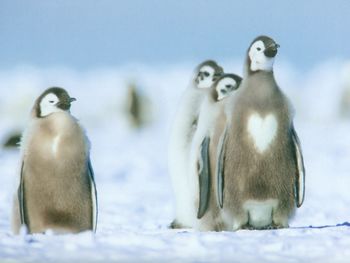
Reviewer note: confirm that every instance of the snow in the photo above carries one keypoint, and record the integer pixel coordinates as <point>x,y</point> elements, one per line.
<point>134,190</point>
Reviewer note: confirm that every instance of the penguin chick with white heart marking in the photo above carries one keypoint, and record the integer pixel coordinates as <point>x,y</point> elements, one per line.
<point>183,129</point>
<point>263,164</point>
<point>204,154</point>
<point>57,189</point>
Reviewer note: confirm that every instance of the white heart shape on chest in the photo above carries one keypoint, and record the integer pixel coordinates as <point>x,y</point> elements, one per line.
<point>262,130</point>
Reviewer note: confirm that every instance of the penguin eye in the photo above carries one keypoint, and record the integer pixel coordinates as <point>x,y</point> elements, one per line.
<point>229,87</point>
<point>206,74</point>
<point>223,91</point>
<point>51,101</point>
<point>258,48</point>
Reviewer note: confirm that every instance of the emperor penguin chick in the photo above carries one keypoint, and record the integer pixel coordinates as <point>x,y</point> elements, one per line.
<point>205,156</point>
<point>183,129</point>
<point>57,189</point>
<point>263,165</point>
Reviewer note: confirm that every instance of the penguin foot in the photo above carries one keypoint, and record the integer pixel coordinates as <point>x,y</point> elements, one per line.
<point>248,227</point>
<point>269,227</point>
<point>278,226</point>
<point>175,225</point>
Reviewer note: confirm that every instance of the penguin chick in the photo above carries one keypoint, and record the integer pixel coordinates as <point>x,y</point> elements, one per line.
<point>57,189</point>
<point>204,155</point>
<point>225,85</point>
<point>262,161</point>
<point>184,126</point>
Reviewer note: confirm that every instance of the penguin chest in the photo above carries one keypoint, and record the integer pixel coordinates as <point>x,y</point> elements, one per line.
<point>63,137</point>
<point>262,130</point>
<point>55,145</point>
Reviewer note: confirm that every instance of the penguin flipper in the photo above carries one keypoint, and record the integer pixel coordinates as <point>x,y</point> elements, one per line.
<point>220,169</point>
<point>93,196</point>
<point>300,171</point>
<point>204,178</point>
<point>21,196</point>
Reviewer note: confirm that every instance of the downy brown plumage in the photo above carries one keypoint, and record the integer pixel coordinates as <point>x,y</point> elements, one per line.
<point>263,168</point>
<point>56,189</point>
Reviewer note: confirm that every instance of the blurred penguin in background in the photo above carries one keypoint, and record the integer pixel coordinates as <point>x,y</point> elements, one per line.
<point>345,95</point>
<point>138,107</point>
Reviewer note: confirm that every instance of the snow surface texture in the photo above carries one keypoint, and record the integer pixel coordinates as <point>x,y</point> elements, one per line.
<point>134,190</point>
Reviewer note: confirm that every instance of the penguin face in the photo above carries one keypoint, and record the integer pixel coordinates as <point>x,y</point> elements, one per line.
<point>262,54</point>
<point>206,74</point>
<point>225,85</point>
<point>53,100</point>
<point>205,77</point>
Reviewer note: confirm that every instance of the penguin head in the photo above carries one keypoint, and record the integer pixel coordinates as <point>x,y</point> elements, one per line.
<point>224,86</point>
<point>261,54</point>
<point>206,73</point>
<point>53,100</point>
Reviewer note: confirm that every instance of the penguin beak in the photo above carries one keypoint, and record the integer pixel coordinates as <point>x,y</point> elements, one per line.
<point>271,50</point>
<point>65,105</point>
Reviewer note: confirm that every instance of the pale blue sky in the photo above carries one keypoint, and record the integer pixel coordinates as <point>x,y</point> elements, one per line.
<point>86,34</point>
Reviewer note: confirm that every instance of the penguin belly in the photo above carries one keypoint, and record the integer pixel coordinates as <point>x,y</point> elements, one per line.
<point>260,212</point>
<point>56,186</point>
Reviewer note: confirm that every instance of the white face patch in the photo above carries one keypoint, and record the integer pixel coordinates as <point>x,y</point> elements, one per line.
<point>205,77</point>
<point>48,105</point>
<point>262,130</point>
<point>259,61</point>
<point>224,87</point>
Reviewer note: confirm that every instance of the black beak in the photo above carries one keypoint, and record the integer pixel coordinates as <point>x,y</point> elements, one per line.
<point>66,105</point>
<point>271,50</point>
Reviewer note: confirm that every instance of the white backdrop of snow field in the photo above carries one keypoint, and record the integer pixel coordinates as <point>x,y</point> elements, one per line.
<point>134,190</point>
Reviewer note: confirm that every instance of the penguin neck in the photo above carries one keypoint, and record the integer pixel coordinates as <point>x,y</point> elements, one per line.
<point>263,82</point>
<point>212,95</point>
<point>261,75</point>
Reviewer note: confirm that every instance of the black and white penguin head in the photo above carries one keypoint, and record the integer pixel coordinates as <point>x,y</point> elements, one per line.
<point>206,74</point>
<point>261,54</point>
<point>53,100</point>
<point>225,85</point>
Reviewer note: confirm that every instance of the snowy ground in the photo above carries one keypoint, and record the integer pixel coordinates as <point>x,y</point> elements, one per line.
<point>134,190</point>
